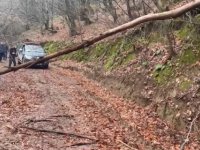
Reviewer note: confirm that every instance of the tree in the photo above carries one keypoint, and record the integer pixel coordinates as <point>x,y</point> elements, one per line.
<point>128,5</point>
<point>84,11</point>
<point>71,16</point>
<point>110,8</point>
<point>36,12</point>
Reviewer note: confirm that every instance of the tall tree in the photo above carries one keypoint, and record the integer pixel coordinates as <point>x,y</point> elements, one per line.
<point>84,11</point>
<point>71,16</point>
<point>111,9</point>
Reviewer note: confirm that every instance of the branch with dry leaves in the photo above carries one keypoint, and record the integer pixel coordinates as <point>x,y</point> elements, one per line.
<point>147,18</point>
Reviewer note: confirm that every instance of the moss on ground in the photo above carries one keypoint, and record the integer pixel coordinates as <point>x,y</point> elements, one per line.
<point>98,51</point>
<point>185,85</point>
<point>112,54</point>
<point>52,47</point>
<point>81,55</point>
<point>163,74</point>
<point>184,32</point>
<point>156,37</point>
<point>120,53</point>
<point>122,50</point>
<point>188,57</point>
<point>128,58</point>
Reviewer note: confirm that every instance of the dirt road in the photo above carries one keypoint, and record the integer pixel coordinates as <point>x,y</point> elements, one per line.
<point>60,109</point>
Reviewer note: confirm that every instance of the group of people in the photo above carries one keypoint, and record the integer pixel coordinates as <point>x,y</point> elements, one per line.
<point>5,53</point>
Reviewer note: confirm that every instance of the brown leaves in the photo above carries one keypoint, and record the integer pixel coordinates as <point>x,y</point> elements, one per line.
<point>97,112</point>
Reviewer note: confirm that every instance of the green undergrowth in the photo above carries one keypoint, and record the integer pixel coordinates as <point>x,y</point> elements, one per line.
<point>185,84</point>
<point>123,50</point>
<point>111,54</point>
<point>163,73</point>
<point>189,54</point>
<point>52,47</point>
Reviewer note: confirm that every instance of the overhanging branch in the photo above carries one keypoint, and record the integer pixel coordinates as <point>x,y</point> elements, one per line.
<point>150,17</point>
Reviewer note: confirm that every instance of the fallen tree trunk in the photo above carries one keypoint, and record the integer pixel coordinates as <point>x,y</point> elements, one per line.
<point>150,17</point>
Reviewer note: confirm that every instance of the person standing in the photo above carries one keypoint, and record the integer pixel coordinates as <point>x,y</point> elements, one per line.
<point>12,56</point>
<point>1,52</point>
<point>5,48</point>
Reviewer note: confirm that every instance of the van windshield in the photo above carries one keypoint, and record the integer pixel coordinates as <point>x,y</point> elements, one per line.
<point>34,49</point>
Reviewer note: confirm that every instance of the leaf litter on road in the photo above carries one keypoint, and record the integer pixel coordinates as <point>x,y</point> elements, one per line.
<point>97,112</point>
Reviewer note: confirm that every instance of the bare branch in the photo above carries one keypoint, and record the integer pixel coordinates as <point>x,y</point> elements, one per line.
<point>58,133</point>
<point>126,145</point>
<point>189,132</point>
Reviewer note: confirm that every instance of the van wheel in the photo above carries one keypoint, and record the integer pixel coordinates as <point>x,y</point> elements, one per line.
<point>46,66</point>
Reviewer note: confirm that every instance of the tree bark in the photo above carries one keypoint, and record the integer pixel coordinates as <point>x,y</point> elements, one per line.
<point>111,9</point>
<point>128,6</point>
<point>150,17</point>
<point>70,17</point>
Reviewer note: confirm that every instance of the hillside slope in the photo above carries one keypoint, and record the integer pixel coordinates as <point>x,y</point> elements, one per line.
<point>133,67</point>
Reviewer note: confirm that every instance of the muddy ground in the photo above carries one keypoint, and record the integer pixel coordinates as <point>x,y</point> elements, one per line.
<point>61,109</point>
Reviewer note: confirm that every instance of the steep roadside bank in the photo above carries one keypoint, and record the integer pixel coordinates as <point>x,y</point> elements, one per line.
<point>132,67</point>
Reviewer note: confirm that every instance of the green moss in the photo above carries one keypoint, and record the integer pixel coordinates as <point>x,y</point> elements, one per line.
<point>163,75</point>
<point>52,47</point>
<point>191,44</point>
<point>188,57</point>
<point>127,44</point>
<point>185,85</point>
<point>128,58</point>
<point>156,37</point>
<point>109,63</point>
<point>112,54</point>
<point>110,57</point>
<point>80,55</point>
<point>184,32</point>
<point>97,51</point>
<point>197,18</point>
<point>120,53</point>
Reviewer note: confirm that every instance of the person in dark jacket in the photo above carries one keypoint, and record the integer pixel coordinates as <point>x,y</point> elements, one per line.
<point>5,49</point>
<point>12,56</point>
<point>1,52</point>
<point>1,56</point>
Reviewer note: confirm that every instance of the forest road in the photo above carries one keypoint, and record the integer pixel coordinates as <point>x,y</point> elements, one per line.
<point>61,109</point>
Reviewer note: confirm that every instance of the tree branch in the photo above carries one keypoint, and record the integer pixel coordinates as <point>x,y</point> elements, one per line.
<point>58,133</point>
<point>189,132</point>
<point>150,17</point>
<point>126,145</point>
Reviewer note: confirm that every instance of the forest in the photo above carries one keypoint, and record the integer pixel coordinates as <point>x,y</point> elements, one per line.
<point>100,74</point>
